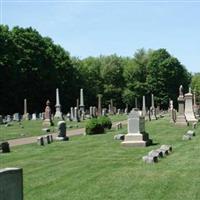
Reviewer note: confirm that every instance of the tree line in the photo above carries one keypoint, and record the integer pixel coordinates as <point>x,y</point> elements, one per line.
<point>32,67</point>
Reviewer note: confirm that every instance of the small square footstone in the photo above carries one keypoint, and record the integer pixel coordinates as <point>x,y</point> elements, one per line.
<point>190,133</point>
<point>150,159</point>
<point>158,153</point>
<point>119,137</point>
<point>166,147</point>
<point>187,137</point>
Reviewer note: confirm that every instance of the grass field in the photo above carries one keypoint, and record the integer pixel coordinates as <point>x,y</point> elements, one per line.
<point>34,128</point>
<point>99,168</point>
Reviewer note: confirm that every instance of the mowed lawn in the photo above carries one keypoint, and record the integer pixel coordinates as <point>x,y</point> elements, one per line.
<point>28,128</point>
<point>99,168</point>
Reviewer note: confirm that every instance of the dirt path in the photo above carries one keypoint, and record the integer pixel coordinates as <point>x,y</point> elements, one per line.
<point>29,140</point>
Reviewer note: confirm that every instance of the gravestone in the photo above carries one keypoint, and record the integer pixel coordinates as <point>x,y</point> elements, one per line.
<point>136,136</point>
<point>11,184</point>
<point>81,101</point>
<point>26,114</point>
<point>16,117</point>
<point>47,115</point>
<point>152,109</point>
<point>110,107</point>
<point>8,118</point>
<point>58,113</point>
<point>72,113</point>
<point>143,106</point>
<point>180,118</point>
<point>189,112</point>
<point>34,117</point>
<point>62,131</point>
<point>99,105</point>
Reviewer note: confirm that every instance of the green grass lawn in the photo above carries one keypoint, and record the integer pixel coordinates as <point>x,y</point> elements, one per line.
<point>98,167</point>
<point>34,128</point>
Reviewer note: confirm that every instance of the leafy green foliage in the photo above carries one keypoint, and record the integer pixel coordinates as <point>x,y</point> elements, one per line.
<point>105,122</point>
<point>32,67</point>
<point>93,126</point>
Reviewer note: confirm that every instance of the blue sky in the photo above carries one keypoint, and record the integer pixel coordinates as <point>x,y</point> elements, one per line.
<point>91,28</point>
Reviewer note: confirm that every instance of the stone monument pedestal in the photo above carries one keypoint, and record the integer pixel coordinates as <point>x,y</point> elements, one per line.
<point>136,137</point>
<point>135,140</point>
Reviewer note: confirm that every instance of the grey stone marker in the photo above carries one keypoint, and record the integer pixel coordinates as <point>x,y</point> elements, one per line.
<point>189,112</point>
<point>26,114</point>
<point>180,118</point>
<point>47,115</point>
<point>11,184</point>
<point>152,109</point>
<point>62,131</point>
<point>91,111</point>
<point>16,117</point>
<point>136,136</point>
<point>58,113</point>
<point>99,105</point>
<point>34,117</point>
<point>81,101</point>
<point>143,106</point>
<point>72,113</point>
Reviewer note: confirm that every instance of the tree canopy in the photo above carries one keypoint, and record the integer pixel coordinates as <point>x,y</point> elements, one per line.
<point>33,66</point>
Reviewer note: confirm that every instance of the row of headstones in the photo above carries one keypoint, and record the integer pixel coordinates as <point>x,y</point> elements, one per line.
<point>154,155</point>
<point>46,139</point>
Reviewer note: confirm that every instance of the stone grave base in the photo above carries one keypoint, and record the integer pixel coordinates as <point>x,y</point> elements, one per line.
<point>180,120</point>
<point>190,118</point>
<point>136,140</point>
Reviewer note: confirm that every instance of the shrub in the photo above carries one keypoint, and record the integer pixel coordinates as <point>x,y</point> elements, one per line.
<point>105,122</point>
<point>93,126</point>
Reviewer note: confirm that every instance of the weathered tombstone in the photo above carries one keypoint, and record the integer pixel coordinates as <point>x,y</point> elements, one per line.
<point>143,106</point>
<point>34,117</point>
<point>173,115</point>
<point>180,118</point>
<point>81,101</point>
<point>58,113</point>
<point>72,113</point>
<point>189,112</point>
<point>62,131</point>
<point>8,118</point>
<point>16,117</point>
<point>118,111</point>
<point>4,147</point>
<point>103,112</point>
<point>76,115</point>
<point>136,136</point>
<point>99,105</point>
<point>111,107</point>
<point>94,111</point>
<point>11,184</point>
<point>152,109</point>
<point>26,114</point>
<point>1,119</point>
<point>47,115</point>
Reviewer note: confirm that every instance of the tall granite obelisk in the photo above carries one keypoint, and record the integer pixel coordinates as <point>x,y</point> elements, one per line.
<point>58,113</point>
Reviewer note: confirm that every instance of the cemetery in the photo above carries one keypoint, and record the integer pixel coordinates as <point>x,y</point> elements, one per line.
<point>80,125</point>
